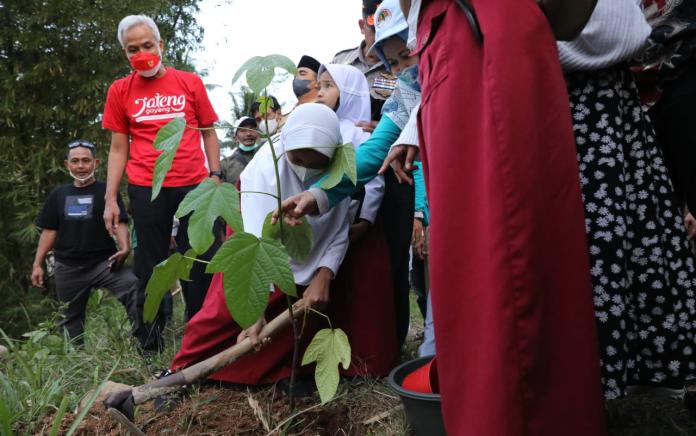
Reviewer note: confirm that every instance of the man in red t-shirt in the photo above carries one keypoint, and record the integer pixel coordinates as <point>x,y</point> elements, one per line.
<point>137,106</point>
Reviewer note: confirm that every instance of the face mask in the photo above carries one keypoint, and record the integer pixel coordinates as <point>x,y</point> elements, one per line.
<point>82,180</point>
<point>308,176</point>
<point>272,127</point>
<point>146,64</point>
<point>300,87</point>
<point>248,147</point>
<point>409,76</point>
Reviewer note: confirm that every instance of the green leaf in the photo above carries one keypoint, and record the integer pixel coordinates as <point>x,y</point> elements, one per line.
<point>261,70</point>
<point>265,103</point>
<point>251,265</point>
<point>250,63</point>
<point>164,276</point>
<point>280,61</point>
<point>260,77</point>
<point>167,140</point>
<point>208,202</point>
<point>328,348</point>
<point>298,240</point>
<point>343,162</point>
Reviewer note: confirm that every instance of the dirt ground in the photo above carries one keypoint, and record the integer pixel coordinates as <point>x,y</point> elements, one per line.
<point>364,407</point>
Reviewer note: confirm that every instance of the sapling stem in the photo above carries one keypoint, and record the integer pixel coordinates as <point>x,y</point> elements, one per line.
<point>279,197</point>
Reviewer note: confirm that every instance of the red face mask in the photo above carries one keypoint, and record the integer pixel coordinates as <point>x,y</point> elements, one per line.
<point>145,61</point>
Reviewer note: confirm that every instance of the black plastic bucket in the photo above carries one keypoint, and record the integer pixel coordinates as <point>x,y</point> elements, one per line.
<point>422,410</point>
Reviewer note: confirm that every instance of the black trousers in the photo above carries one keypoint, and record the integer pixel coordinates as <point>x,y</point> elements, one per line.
<point>673,118</point>
<point>74,285</point>
<point>418,284</point>
<point>397,210</point>
<point>153,229</point>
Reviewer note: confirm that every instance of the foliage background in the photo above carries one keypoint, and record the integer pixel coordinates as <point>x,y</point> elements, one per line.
<point>57,60</point>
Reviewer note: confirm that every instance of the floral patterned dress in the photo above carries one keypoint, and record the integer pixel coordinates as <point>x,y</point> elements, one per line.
<point>642,270</point>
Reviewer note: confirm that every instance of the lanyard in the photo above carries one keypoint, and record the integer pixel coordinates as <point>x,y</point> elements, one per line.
<point>473,20</point>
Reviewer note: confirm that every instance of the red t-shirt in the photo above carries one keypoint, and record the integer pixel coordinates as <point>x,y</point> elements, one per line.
<point>139,107</point>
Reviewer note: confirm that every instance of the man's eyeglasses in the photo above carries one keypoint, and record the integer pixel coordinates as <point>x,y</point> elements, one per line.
<point>81,143</point>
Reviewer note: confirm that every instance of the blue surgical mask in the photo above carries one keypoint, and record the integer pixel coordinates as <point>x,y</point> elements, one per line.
<point>409,76</point>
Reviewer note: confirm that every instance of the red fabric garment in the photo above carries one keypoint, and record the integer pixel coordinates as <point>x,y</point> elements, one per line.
<point>140,106</point>
<point>361,303</point>
<point>510,281</point>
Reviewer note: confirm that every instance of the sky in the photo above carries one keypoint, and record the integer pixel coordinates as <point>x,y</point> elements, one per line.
<point>236,30</point>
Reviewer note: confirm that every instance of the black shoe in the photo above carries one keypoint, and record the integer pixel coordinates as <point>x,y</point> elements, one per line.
<point>167,402</point>
<point>303,388</point>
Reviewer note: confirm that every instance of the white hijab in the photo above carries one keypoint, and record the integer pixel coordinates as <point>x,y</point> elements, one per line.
<point>354,102</point>
<point>309,125</point>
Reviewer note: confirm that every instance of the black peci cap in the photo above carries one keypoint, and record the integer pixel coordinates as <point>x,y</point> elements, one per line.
<point>309,62</point>
<point>369,7</point>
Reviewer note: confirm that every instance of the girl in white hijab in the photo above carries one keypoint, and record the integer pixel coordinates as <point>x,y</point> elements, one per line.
<point>307,144</point>
<point>362,308</point>
<point>344,89</point>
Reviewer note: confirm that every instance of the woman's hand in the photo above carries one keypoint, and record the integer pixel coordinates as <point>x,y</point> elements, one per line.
<point>401,158</point>
<point>690,223</point>
<point>418,239</point>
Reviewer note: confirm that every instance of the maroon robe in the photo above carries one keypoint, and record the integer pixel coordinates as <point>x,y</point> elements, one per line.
<point>510,281</point>
<point>361,303</point>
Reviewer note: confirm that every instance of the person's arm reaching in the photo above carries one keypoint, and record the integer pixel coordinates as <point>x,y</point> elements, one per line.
<point>118,156</point>
<point>46,242</point>
<point>368,160</point>
<point>405,150</point>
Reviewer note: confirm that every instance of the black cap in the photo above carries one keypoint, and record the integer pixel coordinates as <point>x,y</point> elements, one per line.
<point>370,7</point>
<point>309,62</point>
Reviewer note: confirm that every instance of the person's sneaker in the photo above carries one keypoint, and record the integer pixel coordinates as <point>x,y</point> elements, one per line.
<point>303,387</point>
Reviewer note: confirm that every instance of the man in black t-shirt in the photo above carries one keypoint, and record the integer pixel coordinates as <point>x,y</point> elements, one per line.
<point>86,256</point>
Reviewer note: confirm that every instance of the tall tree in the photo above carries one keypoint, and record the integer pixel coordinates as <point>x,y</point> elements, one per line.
<point>57,59</point>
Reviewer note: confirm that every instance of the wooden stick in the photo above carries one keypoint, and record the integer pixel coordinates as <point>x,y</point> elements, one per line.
<point>125,400</point>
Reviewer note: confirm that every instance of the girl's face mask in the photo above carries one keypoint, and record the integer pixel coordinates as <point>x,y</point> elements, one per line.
<point>308,176</point>
<point>147,64</point>
<point>409,76</point>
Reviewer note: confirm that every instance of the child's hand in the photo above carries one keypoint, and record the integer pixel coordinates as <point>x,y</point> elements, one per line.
<point>295,207</point>
<point>253,333</point>
<point>316,295</point>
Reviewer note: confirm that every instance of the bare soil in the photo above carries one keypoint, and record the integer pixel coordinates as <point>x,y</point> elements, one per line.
<point>363,407</point>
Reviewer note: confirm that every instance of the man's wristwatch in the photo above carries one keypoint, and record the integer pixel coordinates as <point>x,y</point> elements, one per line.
<point>216,173</point>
